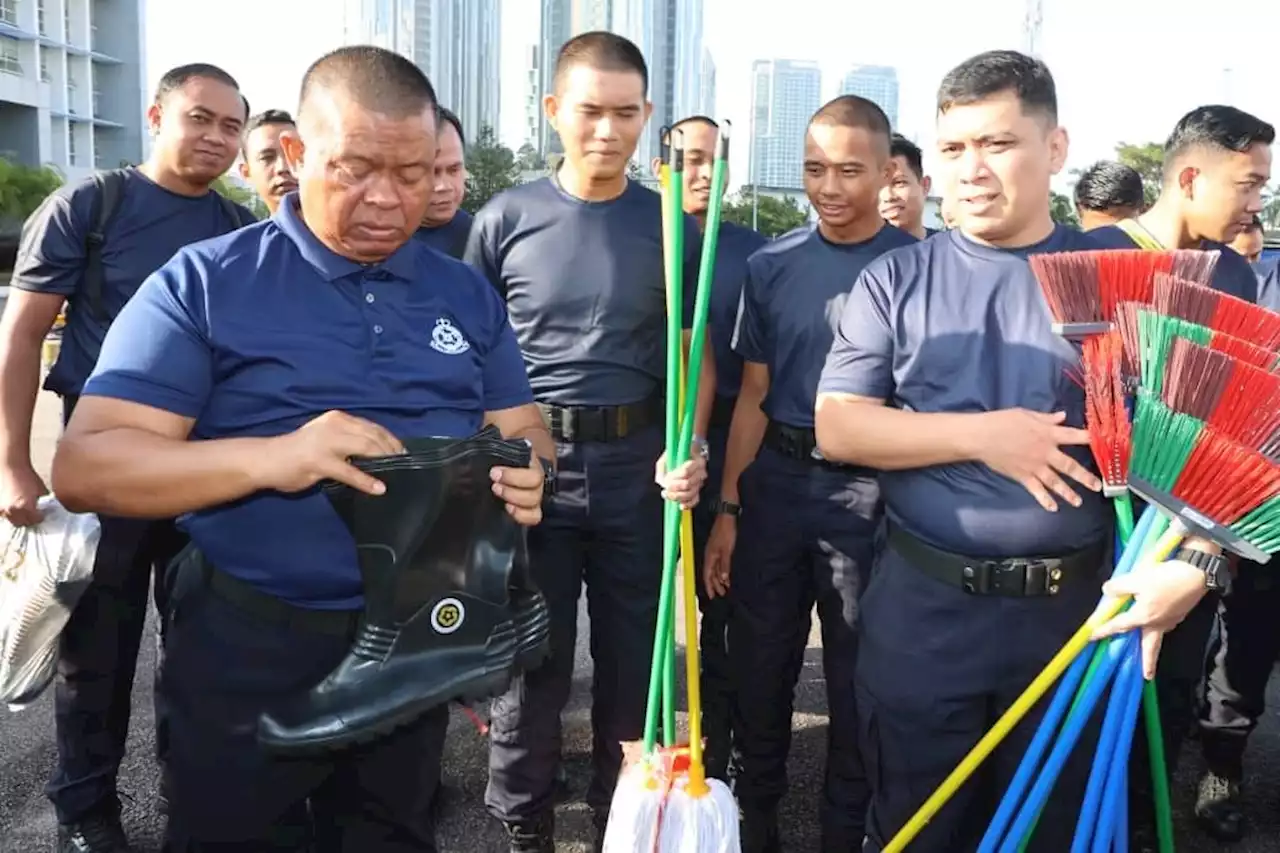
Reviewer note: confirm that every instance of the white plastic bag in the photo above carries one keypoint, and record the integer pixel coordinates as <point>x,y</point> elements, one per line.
<point>43,572</point>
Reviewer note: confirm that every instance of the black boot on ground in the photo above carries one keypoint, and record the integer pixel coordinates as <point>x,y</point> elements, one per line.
<point>436,552</point>
<point>1218,808</point>
<point>535,835</point>
<point>759,831</point>
<point>99,832</point>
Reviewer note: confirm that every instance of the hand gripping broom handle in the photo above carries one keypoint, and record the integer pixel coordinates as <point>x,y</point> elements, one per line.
<point>673,268</point>
<point>688,401</point>
<point>1038,687</point>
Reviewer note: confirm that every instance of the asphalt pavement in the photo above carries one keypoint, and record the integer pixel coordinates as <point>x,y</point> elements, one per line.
<point>27,754</point>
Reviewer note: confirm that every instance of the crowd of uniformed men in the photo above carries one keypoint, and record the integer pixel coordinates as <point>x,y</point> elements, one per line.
<point>889,432</point>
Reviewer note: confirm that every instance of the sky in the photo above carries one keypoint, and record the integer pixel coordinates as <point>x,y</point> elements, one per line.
<point>1128,83</point>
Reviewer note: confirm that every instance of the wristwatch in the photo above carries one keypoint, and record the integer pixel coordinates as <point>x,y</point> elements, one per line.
<point>548,477</point>
<point>703,447</point>
<point>719,506</point>
<point>1217,577</point>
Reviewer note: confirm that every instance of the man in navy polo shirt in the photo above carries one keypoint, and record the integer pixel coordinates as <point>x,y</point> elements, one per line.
<point>163,205</point>
<point>945,375</point>
<point>579,258</point>
<point>734,244</point>
<point>245,371</point>
<point>807,533</point>
<point>446,225</point>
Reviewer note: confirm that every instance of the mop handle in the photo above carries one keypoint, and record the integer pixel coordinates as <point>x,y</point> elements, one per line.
<point>1020,707</point>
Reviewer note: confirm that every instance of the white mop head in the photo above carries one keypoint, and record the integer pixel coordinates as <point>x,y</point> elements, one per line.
<point>636,809</point>
<point>705,824</point>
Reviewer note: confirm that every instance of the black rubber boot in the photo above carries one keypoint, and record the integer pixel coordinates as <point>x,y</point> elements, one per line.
<point>436,552</point>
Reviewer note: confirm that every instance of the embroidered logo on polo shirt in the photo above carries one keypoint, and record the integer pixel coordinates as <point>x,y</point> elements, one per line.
<point>446,338</point>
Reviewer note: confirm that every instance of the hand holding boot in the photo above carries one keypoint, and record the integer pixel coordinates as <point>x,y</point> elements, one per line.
<point>322,448</point>
<point>521,489</point>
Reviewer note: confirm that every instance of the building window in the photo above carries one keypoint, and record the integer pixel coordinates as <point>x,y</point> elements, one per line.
<point>9,63</point>
<point>66,21</point>
<point>71,144</point>
<point>45,76</point>
<point>97,103</point>
<point>98,157</point>
<point>9,11</point>
<point>40,24</point>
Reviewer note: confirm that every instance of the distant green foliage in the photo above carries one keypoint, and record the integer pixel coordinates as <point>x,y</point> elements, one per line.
<point>23,188</point>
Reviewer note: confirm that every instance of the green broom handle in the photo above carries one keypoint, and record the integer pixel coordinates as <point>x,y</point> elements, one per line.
<point>671,539</point>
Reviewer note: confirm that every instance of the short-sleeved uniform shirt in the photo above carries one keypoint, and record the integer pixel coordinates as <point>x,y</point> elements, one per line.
<point>148,227</point>
<point>792,301</point>
<point>450,238</point>
<point>1232,275</point>
<point>256,333</point>
<point>951,325</point>
<point>734,245</point>
<point>585,288</point>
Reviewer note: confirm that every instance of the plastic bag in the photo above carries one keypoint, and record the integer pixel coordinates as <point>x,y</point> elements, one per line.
<point>43,572</point>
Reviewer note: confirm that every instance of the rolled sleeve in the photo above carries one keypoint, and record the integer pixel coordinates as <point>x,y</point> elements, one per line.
<point>51,252</point>
<point>750,334</point>
<point>861,358</point>
<point>157,352</point>
<point>506,382</point>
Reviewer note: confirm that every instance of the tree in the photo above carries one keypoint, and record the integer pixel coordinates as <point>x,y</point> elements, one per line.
<point>1148,161</point>
<point>1063,210</point>
<point>491,168</point>
<point>241,195</point>
<point>529,160</point>
<point>774,215</point>
<point>23,188</point>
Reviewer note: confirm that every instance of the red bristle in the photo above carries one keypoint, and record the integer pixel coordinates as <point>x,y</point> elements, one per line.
<point>1106,419</point>
<point>1069,281</point>
<point>1195,378</point>
<point>1239,348</point>
<point>1250,413</point>
<point>1127,324</point>
<point>1126,275</point>
<point>1224,480</point>
<point>1246,320</point>
<point>1194,265</point>
<point>1187,300</point>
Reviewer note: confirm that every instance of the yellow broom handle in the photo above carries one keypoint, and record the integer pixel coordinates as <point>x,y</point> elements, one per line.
<point>1158,554</point>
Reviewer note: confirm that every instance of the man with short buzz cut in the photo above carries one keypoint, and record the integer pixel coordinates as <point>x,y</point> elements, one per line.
<point>579,259</point>
<point>903,198</point>
<point>446,225</point>
<point>218,401</point>
<point>1108,192</point>
<point>89,246</point>
<point>264,165</point>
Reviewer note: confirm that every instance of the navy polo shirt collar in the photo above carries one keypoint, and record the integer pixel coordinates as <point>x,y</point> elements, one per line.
<point>327,262</point>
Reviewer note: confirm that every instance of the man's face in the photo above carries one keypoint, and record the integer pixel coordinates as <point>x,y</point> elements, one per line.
<point>364,179</point>
<point>995,165</point>
<point>1223,190</point>
<point>1091,219</point>
<point>699,158</point>
<point>197,129</point>
<point>599,116</point>
<point>450,178</point>
<point>844,170</point>
<point>1248,244</point>
<point>265,167</point>
<point>902,199</point>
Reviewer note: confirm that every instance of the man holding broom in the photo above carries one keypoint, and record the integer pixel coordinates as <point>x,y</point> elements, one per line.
<point>1217,162</point>
<point>579,258</point>
<point>998,538</point>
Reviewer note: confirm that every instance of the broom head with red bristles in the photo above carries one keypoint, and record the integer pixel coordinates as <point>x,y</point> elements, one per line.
<point>1231,396</point>
<point>1106,416</point>
<point>1219,311</point>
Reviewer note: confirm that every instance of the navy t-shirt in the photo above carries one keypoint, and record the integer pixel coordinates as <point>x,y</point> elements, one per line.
<point>450,238</point>
<point>950,325</point>
<point>149,226</point>
<point>1233,274</point>
<point>585,288</point>
<point>733,246</point>
<point>258,332</point>
<point>792,301</point>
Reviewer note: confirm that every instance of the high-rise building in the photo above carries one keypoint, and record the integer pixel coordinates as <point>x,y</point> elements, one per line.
<point>784,96</point>
<point>456,43</point>
<point>668,33</point>
<point>72,83</point>
<point>878,83</point>
<point>532,96</point>
<point>707,98</point>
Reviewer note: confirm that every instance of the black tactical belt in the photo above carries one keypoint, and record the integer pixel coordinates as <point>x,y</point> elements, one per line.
<point>802,444</point>
<point>600,423</point>
<point>267,608</point>
<point>1013,577</point>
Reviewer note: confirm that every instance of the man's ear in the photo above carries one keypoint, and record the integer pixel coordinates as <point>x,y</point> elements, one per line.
<point>244,169</point>
<point>292,147</point>
<point>655,166</point>
<point>153,119</point>
<point>926,184</point>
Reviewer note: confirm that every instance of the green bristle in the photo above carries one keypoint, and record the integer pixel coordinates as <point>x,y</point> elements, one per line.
<point>1261,528</point>
<point>1162,441</point>
<point>1155,334</point>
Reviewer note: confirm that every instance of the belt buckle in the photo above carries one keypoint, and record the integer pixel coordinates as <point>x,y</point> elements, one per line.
<point>567,424</point>
<point>1013,578</point>
<point>621,422</point>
